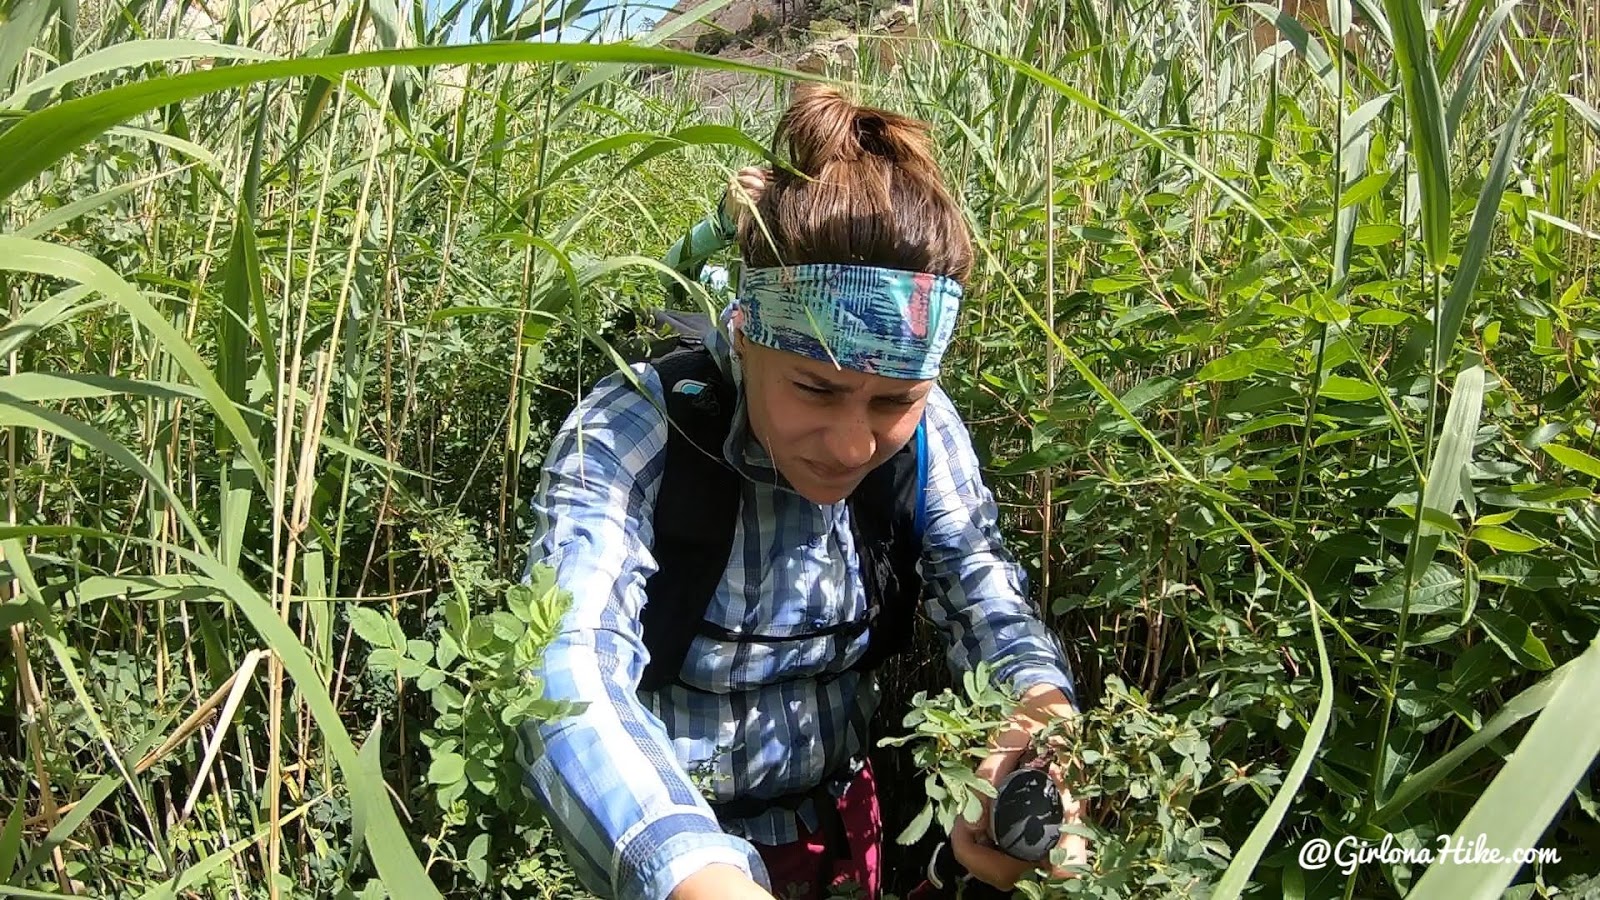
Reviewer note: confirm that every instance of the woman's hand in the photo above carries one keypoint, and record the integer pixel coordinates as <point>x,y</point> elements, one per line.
<point>719,882</point>
<point>969,841</point>
<point>744,191</point>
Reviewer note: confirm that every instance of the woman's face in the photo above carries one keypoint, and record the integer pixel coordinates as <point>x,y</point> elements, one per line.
<point>826,427</point>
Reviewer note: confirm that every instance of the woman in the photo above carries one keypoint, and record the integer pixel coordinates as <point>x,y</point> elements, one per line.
<point>833,355</point>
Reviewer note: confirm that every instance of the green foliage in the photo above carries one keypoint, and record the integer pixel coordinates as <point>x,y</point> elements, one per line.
<point>948,731</point>
<point>1140,772</point>
<point>473,664</point>
<point>1281,360</point>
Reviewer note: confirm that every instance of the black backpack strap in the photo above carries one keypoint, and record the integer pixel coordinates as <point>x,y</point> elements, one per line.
<point>885,517</point>
<point>696,510</point>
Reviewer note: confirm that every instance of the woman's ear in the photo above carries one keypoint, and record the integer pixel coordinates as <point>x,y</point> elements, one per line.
<point>736,327</point>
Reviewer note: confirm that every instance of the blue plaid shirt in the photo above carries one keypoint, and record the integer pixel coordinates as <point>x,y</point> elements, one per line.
<point>616,779</point>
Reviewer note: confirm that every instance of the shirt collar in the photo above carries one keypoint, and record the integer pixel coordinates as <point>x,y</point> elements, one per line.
<point>741,449</point>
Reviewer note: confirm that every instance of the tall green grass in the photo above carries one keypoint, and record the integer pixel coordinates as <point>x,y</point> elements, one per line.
<point>1281,356</point>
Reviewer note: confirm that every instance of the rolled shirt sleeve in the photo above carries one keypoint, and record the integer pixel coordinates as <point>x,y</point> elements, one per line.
<point>978,593</point>
<point>633,823</point>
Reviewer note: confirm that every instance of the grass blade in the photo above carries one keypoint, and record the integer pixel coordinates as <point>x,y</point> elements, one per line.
<point>1459,32</point>
<point>130,54</point>
<point>42,315</point>
<point>11,841</point>
<point>21,414</point>
<point>1447,475</point>
<point>1525,704</point>
<point>1304,43</point>
<point>55,261</point>
<point>1473,65</point>
<point>35,387</point>
<point>24,21</point>
<point>1428,138</point>
<point>1536,781</point>
<point>1465,282</point>
<point>60,216</point>
<point>38,140</point>
<point>387,842</point>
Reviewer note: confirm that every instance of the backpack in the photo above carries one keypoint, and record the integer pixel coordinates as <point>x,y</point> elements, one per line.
<point>698,505</point>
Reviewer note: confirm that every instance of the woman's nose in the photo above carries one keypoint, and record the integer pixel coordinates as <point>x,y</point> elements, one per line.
<point>851,442</point>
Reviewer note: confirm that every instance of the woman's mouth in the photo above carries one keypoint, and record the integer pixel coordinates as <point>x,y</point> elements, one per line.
<point>830,474</point>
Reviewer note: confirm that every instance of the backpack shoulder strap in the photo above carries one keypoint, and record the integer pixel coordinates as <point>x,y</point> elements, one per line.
<point>887,514</point>
<point>697,507</point>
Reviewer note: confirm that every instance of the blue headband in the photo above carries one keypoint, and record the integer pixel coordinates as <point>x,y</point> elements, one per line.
<point>888,322</point>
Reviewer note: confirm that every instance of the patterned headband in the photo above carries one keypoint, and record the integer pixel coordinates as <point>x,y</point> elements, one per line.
<point>888,322</point>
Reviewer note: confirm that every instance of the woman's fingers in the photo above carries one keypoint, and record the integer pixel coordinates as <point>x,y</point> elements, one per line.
<point>987,864</point>
<point>994,768</point>
<point>1004,757</point>
<point>744,190</point>
<point>1075,845</point>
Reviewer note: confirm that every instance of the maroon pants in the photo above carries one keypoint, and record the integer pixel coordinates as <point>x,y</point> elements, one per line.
<point>823,859</point>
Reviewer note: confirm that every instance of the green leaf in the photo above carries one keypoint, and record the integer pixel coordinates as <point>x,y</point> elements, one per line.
<point>1574,459</point>
<point>1438,592</point>
<point>696,136</point>
<point>48,419</point>
<point>35,387</point>
<point>447,768</point>
<point>1518,708</point>
<point>478,858</point>
<point>1502,538</point>
<point>42,315</point>
<point>918,827</point>
<point>419,650</point>
<point>1239,364</point>
<point>372,627</point>
<point>1468,79</point>
<point>397,635</point>
<point>1364,190</point>
<point>448,650</point>
<point>1305,43</point>
<point>1051,454</point>
<point>1586,112</point>
<point>103,788</point>
<point>1515,638</point>
<point>1378,235</point>
<point>1447,470</point>
<point>1525,572</point>
<point>61,215</point>
<point>22,23</point>
<point>447,698</point>
<point>1353,390</point>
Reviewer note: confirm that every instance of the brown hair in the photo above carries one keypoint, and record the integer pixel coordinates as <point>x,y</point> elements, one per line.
<point>875,195</point>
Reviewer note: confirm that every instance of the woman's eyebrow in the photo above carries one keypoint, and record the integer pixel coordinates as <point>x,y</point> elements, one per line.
<point>821,382</point>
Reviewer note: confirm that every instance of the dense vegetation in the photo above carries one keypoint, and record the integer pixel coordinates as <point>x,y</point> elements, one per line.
<point>1282,356</point>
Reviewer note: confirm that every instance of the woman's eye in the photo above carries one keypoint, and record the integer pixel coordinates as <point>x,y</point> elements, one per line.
<point>811,389</point>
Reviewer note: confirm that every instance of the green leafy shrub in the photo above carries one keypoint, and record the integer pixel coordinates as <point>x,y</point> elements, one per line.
<point>474,668</point>
<point>1138,769</point>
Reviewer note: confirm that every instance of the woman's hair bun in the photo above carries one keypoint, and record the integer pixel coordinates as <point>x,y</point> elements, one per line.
<point>823,126</point>
<point>868,192</point>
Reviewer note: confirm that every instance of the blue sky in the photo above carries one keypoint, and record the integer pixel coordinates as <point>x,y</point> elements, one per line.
<point>624,17</point>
